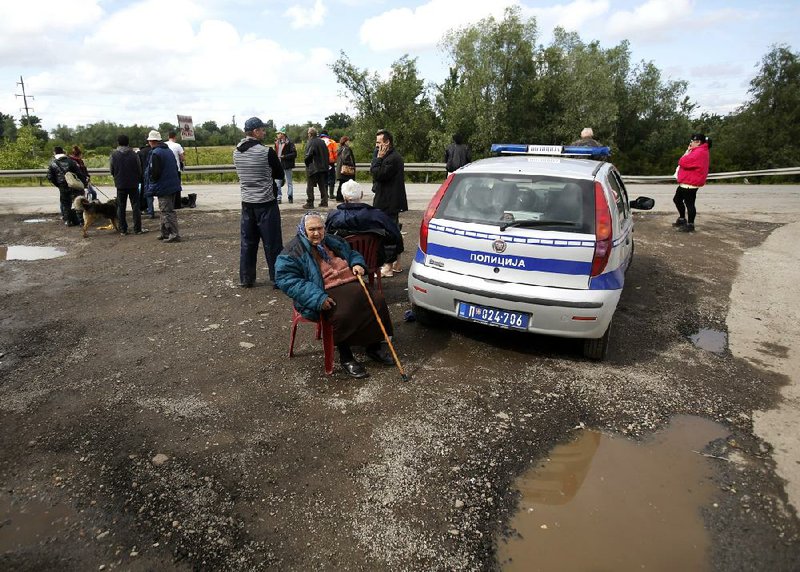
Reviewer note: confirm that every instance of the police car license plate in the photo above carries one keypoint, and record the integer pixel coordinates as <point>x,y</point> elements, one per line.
<point>493,316</point>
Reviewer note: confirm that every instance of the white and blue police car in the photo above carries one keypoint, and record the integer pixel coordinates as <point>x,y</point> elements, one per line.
<point>537,239</point>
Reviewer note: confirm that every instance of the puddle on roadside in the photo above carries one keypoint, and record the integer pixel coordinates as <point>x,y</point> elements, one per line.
<point>30,220</point>
<point>26,525</point>
<point>713,341</point>
<point>609,503</point>
<point>30,252</point>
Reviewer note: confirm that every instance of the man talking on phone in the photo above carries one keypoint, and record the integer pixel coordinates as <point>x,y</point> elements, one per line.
<point>389,186</point>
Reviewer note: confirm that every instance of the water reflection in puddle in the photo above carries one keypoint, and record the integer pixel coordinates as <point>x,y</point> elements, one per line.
<point>713,341</point>
<point>607,503</point>
<point>30,252</point>
<point>30,220</point>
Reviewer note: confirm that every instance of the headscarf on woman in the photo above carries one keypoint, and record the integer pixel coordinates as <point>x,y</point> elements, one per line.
<point>301,230</point>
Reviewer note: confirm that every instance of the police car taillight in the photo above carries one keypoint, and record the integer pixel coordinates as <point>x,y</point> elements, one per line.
<point>429,212</point>
<point>602,230</point>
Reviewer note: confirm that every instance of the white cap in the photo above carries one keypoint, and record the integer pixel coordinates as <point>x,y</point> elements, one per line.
<point>154,136</point>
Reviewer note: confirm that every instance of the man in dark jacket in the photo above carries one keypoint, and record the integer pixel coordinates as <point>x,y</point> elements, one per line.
<point>127,173</point>
<point>59,166</point>
<point>257,167</point>
<point>287,153</point>
<point>145,202</point>
<point>316,160</point>
<point>389,184</point>
<point>162,181</point>
<point>457,154</point>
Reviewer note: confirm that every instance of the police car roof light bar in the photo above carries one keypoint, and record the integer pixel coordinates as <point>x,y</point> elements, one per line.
<point>549,150</point>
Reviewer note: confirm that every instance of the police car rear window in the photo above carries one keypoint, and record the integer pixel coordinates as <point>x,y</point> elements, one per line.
<point>546,203</point>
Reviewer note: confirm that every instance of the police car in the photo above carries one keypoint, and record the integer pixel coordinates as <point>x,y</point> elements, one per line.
<point>537,239</point>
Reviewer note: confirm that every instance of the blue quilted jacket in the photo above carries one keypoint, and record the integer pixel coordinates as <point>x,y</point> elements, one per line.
<point>298,276</point>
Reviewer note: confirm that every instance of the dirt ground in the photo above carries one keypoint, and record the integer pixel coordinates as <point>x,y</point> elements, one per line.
<point>150,418</point>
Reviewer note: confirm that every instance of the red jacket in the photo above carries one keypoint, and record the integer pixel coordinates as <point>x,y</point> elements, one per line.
<point>693,167</point>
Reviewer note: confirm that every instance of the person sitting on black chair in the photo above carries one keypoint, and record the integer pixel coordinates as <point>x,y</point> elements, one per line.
<point>353,216</point>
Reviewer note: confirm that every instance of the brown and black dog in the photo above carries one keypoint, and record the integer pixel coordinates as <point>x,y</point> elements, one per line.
<point>95,209</point>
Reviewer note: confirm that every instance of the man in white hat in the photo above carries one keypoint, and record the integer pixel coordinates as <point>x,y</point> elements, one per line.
<point>162,181</point>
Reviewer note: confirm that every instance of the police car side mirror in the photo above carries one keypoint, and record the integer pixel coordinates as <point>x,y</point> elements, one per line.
<point>643,203</point>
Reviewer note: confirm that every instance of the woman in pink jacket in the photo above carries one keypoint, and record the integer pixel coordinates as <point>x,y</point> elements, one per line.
<point>692,172</point>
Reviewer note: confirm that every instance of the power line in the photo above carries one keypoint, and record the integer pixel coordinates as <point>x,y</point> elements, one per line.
<point>25,97</point>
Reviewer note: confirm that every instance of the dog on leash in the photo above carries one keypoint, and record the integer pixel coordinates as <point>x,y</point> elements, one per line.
<point>93,210</point>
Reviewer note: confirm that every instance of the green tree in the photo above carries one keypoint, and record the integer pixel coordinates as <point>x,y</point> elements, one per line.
<point>35,123</point>
<point>8,128</point>
<point>23,151</point>
<point>400,104</point>
<point>765,131</point>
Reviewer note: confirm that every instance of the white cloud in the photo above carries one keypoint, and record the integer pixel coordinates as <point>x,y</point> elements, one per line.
<point>652,20</point>
<point>424,26</point>
<point>572,16</point>
<point>302,18</point>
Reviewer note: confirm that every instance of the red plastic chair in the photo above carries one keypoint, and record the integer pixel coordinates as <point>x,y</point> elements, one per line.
<point>368,244</point>
<point>324,332</point>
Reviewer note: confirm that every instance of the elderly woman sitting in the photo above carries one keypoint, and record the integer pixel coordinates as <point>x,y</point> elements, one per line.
<point>318,272</point>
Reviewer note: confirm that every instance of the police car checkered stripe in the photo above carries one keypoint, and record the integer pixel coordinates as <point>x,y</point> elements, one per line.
<point>566,243</point>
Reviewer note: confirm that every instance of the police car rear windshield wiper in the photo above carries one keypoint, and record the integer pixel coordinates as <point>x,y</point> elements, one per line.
<point>535,222</point>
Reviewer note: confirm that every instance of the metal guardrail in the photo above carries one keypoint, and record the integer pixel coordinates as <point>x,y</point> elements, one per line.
<point>429,168</point>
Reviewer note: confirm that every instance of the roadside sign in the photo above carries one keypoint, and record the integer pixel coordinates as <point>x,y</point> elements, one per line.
<point>187,127</point>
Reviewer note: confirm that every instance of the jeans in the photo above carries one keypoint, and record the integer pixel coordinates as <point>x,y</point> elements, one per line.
<point>289,186</point>
<point>169,218</point>
<point>260,222</point>
<point>122,200</point>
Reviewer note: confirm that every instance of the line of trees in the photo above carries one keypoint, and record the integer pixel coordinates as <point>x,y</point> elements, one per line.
<point>504,87</point>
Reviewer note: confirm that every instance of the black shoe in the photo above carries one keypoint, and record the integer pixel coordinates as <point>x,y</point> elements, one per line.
<point>354,369</point>
<point>679,223</point>
<point>291,200</point>
<point>381,355</point>
<point>324,205</point>
<point>141,231</point>
<point>246,284</point>
<point>688,228</point>
<point>173,239</point>
<point>123,232</point>
<point>308,206</point>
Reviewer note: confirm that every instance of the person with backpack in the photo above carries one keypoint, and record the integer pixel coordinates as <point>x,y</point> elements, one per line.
<point>57,174</point>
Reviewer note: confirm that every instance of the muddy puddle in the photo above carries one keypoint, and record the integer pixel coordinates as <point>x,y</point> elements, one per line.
<point>29,252</point>
<point>713,341</point>
<point>24,526</point>
<point>602,503</point>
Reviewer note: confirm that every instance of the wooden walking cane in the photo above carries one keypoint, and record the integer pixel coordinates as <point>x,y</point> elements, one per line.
<point>403,375</point>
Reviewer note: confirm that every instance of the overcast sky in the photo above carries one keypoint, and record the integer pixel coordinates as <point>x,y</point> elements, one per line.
<point>145,61</point>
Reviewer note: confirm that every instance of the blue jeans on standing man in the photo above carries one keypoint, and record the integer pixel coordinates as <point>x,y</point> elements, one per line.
<point>290,188</point>
<point>260,222</point>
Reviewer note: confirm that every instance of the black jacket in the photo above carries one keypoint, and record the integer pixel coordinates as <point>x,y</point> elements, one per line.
<point>289,154</point>
<point>60,165</point>
<point>143,155</point>
<point>125,168</point>
<point>389,183</point>
<point>456,156</point>
<point>316,157</point>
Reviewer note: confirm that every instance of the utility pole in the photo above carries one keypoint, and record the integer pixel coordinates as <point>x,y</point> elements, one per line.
<point>233,121</point>
<point>25,97</point>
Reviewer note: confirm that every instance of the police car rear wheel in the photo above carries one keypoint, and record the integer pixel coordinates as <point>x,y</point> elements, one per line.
<point>597,349</point>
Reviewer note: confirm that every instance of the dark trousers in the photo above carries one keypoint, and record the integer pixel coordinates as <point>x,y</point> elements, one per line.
<point>317,180</point>
<point>68,214</point>
<point>123,195</point>
<point>684,201</point>
<point>331,180</point>
<point>260,222</point>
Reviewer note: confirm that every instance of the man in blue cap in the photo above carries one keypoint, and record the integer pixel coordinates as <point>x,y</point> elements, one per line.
<point>257,167</point>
